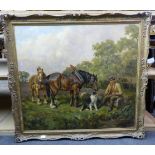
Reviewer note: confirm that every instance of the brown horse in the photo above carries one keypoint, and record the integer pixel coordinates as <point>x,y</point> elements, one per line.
<point>37,86</point>
<point>72,83</point>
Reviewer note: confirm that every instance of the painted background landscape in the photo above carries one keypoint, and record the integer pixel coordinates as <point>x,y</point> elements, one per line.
<point>103,50</point>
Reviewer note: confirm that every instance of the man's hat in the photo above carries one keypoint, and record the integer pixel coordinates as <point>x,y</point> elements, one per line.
<point>112,78</point>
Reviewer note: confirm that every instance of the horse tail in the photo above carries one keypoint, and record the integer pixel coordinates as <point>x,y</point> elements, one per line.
<point>52,80</point>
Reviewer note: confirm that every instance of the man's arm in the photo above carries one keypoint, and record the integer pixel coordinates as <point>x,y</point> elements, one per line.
<point>107,91</point>
<point>119,89</point>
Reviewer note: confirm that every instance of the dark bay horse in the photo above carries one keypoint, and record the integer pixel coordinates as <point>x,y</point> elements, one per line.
<point>37,86</point>
<point>72,83</point>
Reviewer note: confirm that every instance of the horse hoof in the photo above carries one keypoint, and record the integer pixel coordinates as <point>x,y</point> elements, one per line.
<point>52,106</point>
<point>45,102</point>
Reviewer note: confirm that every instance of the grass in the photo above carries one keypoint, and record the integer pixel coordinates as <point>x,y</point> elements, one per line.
<point>42,117</point>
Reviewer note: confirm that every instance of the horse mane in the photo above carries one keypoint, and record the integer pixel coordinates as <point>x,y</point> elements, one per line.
<point>44,75</point>
<point>86,75</point>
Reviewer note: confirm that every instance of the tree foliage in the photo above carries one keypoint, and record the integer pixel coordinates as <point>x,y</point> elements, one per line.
<point>23,76</point>
<point>115,58</point>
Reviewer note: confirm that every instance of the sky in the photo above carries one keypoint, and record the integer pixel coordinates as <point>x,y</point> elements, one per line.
<point>55,47</point>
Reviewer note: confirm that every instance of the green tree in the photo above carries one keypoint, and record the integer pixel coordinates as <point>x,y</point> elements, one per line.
<point>23,76</point>
<point>128,46</point>
<point>132,31</point>
<point>67,71</point>
<point>106,60</point>
<point>118,59</point>
<point>85,65</point>
<point>114,58</point>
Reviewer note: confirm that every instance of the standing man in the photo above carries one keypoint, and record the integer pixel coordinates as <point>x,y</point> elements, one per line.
<point>113,92</point>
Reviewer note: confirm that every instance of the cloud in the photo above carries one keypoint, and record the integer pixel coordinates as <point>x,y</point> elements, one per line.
<point>56,47</point>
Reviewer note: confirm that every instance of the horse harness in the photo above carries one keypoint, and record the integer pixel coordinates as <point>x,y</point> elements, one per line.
<point>79,77</point>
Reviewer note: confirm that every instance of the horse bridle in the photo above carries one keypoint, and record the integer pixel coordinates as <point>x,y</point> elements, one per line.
<point>41,82</point>
<point>89,78</point>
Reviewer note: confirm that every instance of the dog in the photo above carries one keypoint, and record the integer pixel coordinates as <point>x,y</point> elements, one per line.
<point>89,101</point>
<point>93,103</point>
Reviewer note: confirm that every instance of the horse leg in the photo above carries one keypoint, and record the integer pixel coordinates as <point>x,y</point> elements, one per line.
<point>45,100</point>
<point>33,99</point>
<point>53,92</point>
<point>72,98</point>
<point>76,96</point>
<point>38,98</point>
<point>33,94</point>
<point>76,99</point>
<point>45,96</point>
<point>52,104</point>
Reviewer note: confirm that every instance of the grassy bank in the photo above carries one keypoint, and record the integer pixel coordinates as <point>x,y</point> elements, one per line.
<point>42,117</point>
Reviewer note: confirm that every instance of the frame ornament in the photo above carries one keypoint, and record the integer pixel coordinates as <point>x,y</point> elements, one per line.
<point>10,18</point>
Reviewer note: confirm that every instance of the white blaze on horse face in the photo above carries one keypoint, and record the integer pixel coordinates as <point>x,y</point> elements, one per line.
<point>40,75</point>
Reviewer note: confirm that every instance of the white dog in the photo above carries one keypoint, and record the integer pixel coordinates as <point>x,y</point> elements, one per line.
<point>93,102</point>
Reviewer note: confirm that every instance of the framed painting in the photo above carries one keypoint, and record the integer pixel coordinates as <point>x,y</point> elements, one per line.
<point>77,74</point>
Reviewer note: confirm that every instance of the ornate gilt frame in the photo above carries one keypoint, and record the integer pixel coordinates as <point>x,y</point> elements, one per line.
<point>9,19</point>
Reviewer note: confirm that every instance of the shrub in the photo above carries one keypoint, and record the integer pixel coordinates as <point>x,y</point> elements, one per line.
<point>42,117</point>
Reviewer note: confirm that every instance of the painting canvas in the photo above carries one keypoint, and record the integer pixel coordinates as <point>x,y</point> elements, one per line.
<point>77,76</point>
<point>74,78</point>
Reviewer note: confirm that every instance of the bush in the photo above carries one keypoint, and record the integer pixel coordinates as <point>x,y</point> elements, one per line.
<point>42,117</point>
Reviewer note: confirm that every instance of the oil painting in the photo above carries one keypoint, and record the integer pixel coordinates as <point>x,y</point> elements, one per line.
<point>77,77</point>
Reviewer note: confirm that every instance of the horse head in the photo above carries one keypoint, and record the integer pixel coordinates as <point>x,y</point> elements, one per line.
<point>89,78</point>
<point>40,75</point>
<point>93,81</point>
